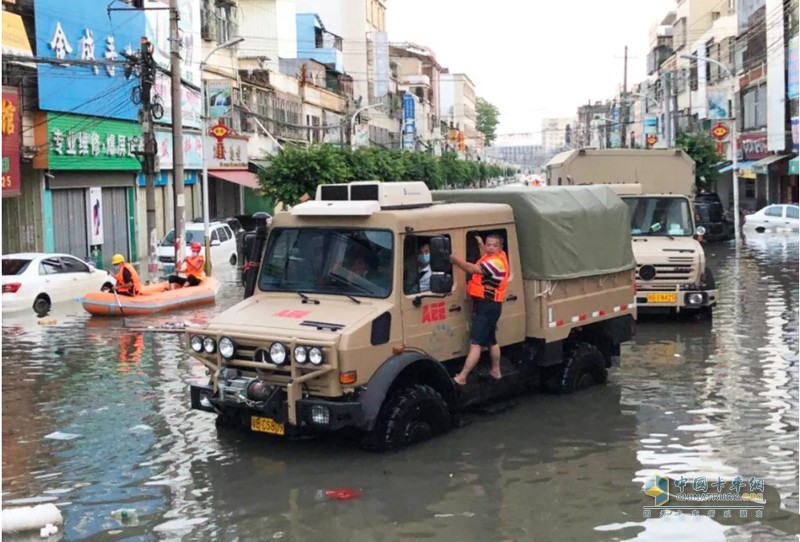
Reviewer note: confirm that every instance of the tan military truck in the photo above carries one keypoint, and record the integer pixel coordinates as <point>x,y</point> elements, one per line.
<point>347,330</point>
<point>658,186</point>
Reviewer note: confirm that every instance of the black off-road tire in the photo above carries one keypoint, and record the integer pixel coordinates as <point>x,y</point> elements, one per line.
<point>584,365</point>
<point>409,415</point>
<point>41,305</point>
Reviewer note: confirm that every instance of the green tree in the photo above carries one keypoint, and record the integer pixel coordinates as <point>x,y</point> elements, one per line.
<point>296,171</point>
<point>702,149</point>
<point>422,166</point>
<point>487,119</point>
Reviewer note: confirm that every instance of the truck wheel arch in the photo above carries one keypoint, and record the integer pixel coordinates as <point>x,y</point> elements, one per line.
<point>398,370</point>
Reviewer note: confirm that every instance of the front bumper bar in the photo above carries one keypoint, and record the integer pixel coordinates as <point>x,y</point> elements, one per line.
<point>314,415</point>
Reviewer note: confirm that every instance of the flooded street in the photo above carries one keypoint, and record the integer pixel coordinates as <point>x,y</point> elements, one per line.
<point>96,419</point>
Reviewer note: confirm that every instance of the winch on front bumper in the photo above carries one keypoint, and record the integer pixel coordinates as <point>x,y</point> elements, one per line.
<point>262,407</point>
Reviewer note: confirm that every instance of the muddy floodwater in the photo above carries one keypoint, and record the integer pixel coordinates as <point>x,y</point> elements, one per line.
<point>96,419</point>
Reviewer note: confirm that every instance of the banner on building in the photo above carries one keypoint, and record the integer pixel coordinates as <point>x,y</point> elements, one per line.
<point>233,155</point>
<point>11,142</point>
<point>409,121</point>
<point>192,150</point>
<point>717,104</point>
<point>795,134</point>
<point>745,9</point>
<point>95,216</point>
<point>75,142</point>
<point>15,39</point>
<point>220,99</point>
<point>651,125</point>
<point>86,30</point>
<point>380,64</point>
<point>793,69</point>
<point>158,32</point>
<point>361,136</point>
<point>752,146</point>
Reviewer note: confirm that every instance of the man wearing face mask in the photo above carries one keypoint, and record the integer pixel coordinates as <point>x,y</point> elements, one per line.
<point>128,282</point>
<point>424,260</point>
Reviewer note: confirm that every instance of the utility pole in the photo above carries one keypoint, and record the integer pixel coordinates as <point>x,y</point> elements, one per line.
<point>667,109</point>
<point>625,101</point>
<point>177,132</point>
<point>147,75</point>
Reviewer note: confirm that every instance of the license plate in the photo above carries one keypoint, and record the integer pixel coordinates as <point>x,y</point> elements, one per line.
<point>266,425</point>
<point>169,268</point>
<point>662,298</point>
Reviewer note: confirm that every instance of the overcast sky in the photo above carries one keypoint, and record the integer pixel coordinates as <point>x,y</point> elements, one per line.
<point>533,58</point>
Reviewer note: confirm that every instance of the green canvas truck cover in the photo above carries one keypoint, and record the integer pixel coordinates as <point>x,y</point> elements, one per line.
<point>564,232</point>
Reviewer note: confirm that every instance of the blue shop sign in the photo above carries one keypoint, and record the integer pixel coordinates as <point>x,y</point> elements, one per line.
<point>85,30</point>
<point>163,178</point>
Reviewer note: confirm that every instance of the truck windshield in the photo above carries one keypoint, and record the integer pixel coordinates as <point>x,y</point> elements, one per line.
<point>341,261</point>
<point>665,217</point>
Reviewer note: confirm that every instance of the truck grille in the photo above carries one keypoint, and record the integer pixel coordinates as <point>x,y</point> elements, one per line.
<point>678,270</point>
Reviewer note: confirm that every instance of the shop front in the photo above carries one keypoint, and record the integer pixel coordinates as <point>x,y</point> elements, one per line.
<point>89,197</point>
<point>229,178</point>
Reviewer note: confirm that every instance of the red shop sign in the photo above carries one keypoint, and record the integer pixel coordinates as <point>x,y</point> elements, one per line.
<point>753,146</point>
<point>11,142</point>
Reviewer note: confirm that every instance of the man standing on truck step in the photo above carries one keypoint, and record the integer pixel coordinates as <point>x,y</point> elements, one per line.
<point>487,287</point>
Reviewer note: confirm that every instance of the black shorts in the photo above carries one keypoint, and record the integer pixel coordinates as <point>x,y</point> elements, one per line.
<point>485,315</point>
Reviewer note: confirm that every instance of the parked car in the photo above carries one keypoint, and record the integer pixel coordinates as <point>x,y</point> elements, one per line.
<point>774,217</point>
<point>223,245</point>
<point>37,280</point>
<point>711,215</point>
<point>232,222</point>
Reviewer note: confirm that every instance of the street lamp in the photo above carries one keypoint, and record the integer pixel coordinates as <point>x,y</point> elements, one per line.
<point>358,112</point>
<point>735,161</point>
<point>203,129</point>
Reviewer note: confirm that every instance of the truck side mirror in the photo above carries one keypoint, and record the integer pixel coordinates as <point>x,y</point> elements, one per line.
<point>441,283</point>
<point>440,255</point>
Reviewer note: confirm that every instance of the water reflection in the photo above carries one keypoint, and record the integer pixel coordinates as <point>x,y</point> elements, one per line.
<point>692,398</point>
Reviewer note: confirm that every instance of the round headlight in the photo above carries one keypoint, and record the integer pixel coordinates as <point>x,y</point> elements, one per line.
<point>300,354</point>
<point>209,345</point>
<point>315,356</point>
<point>277,353</point>
<point>196,342</point>
<point>226,347</point>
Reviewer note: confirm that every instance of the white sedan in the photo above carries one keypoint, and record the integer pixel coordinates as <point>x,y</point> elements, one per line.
<point>774,217</point>
<point>36,280</point>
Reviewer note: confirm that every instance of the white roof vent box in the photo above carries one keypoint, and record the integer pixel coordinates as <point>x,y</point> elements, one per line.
<point>388,195</point>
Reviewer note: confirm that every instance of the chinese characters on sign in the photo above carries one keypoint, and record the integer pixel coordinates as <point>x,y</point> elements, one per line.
<point>11,143</point>
<point>76,142</point>
<point>707,495</point>
<point>87,32</point>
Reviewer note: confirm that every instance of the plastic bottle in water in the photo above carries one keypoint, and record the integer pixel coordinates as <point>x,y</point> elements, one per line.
<point>124,515</point>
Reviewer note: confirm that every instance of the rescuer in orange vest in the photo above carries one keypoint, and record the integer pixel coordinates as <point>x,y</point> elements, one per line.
<point>128,282</point>
<point>487,288</point>
<point>192,267</point>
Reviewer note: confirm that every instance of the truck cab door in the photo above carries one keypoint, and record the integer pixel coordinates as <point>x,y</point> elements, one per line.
<point>433,323</point>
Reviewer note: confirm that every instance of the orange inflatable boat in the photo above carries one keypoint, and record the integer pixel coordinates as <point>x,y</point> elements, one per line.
<point>153,298</point>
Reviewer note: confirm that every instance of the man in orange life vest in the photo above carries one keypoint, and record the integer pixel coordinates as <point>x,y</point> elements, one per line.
<point>128,282</point>
<point>192,267</point>
<point>487,288</point>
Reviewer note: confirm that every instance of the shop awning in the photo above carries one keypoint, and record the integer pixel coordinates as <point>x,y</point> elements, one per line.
<point>762,165</point>
<point>745,165</point>
<point>238,176</point>
<point>15,38</point>
<point>794,166</point>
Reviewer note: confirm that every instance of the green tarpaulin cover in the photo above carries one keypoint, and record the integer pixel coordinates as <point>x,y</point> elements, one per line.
<point>564,232</point>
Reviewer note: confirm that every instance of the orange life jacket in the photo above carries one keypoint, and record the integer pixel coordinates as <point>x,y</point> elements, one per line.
<point>490,287</point>
<point>194,266</point>
<point>137,283</point>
